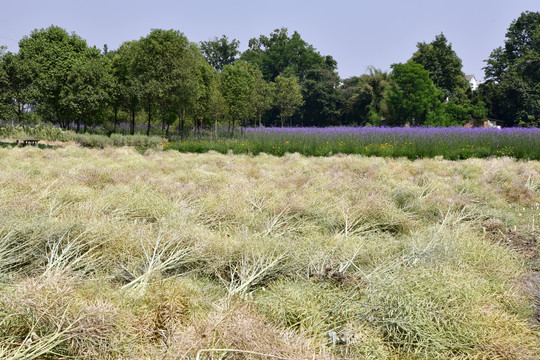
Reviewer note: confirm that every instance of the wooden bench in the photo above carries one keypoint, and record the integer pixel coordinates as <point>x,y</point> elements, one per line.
<point>32,142</point>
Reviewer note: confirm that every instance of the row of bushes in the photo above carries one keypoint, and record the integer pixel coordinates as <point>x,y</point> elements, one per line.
<point>92,140</point>
<point>47,133</point>
<point>51,133</point>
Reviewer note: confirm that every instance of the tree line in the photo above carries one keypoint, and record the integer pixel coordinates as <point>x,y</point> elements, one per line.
<point>164,80</point>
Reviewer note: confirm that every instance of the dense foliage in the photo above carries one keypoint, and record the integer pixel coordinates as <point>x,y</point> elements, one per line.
<point>163,80</point>
<point>513,74</point>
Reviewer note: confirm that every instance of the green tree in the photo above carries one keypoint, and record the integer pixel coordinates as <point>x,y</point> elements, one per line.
<point>412,95</point>
<point>50,54</point>
<point>287,97</point>
<point>323,99</point>
<point>444,68</point>
<point>261,94</point>
<point>513,73</point>
<point>86,91</point>
<point>187,89</point>
<point>291,56</point>
<point>166,65</point>
<point>114,90</point>
<point>364,96</point>
<point>126,80</point>
<point>280,53</point>
<point>443,64</point>
<point>237,88</point>
<point>17,86</point>
<point>4,85</point>
<point>211,104</point>
<point>220,52</point>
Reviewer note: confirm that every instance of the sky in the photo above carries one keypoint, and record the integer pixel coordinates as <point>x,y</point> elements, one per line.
<point>357,34</point>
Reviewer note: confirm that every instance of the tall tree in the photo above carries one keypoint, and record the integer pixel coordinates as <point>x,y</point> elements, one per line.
<point>513,73</point>
<point>521,51</point>
<point>323,100</point>
<point>280,53</point>
<point>51,53</point>
<point>114,90</point>
<point>443,64</point>
<point>187,89</point>
<point>444,68</point>
<point>126,80</point>
<point>291,56</point>
<point>287,97</point>
<point>220,52</point>
<point>237,88</point>
<point>17,89</point>
<point>5,107</point>
<point>365,100</point>
<point>167,66</point>
<point>211,104</point>
<point>86,91</point>
<point>261,94</point>
<point>412,94</point>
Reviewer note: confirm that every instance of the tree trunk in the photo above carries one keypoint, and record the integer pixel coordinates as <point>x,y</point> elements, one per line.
<point>132,127</point>
<point>115,118</point>
<point>19,114</point>
<point>149,119</point>
<point>182,123</point>
<point>163,124</point>
<point>282,120</point>
<point>215,125</point>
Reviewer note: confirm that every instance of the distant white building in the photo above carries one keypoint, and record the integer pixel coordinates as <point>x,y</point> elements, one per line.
<point>472,81</point>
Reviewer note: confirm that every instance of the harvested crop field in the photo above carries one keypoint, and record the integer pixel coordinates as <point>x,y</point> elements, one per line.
<point>110,254</point>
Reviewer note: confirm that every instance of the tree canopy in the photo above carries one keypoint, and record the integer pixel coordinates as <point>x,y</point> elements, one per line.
<point>443,64</point>
<point>287,96</point>
<point>412,94</point>
<point>50,54</point>
<point>280,53</point>
<point>85,94</point>
<point>513,73</point>
<point>220,52</point>
<point>365,98</point>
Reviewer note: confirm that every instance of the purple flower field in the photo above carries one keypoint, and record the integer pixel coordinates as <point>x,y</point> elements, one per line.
<point>399,133</point>
<point>413,142</point>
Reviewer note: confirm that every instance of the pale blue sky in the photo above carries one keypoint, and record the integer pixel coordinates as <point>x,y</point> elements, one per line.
<point>356,33</point>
